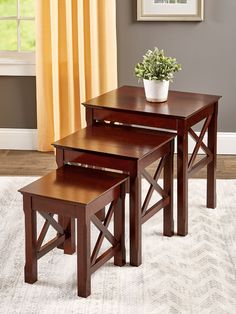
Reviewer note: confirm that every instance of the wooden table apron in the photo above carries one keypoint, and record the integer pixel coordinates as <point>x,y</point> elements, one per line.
<point>183,126</point>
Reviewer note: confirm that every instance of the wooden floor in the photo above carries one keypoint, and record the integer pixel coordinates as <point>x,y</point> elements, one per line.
<point>33,163</point>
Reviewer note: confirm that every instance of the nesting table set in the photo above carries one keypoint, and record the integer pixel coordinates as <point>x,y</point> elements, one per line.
<point>100,163</point>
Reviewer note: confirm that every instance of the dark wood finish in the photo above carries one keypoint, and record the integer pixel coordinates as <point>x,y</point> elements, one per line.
<point>151,188</point>
<point>43,233</point>
<point>50,245</point>
<point>117,144</point>
<point>196,138</point>
<point>135,236</point>
<point>132,99</point>
<point>82,190</point>
<point>68,224</point>
<point>182,110</point>
<point>119,228</point>
<point>211,167</point>
<point>72,185</point>
<point>33,163</point>
<point>97,222</point>
<point>102,234</point>
<point>41,203</point>
<point>83,256</point>
<point>199,142</point>
<point>155,209</point>
<point>168,221</point>
<point>131,119</point>
<point>113,140</point>
<point>182,182</point>
<point>31,269</point>
<point>153,183</point>
<point>125,148</point>
<point>105,257</point>
<point>52,222</point>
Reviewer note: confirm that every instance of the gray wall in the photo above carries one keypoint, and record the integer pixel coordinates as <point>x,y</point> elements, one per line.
<point>205,49</point>
<point>17,102</point>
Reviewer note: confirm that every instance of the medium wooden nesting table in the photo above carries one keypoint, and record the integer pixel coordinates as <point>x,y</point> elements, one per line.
<point>180,113</point>
<point>130,150</point>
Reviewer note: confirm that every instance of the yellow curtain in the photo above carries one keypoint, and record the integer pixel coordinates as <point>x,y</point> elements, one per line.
<point>76,59</point>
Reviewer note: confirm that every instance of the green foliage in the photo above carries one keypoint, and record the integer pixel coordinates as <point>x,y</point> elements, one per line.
<point>27,32</point>
<point>27,8</point>
<point>8,28</point>
<point>155,66</point>
<point>8,8</point>
<point>8,35</point>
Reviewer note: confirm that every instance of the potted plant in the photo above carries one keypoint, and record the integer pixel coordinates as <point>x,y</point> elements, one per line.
<point>157,71</point>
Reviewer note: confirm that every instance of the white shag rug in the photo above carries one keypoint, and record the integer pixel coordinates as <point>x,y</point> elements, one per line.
<point>193,274</point>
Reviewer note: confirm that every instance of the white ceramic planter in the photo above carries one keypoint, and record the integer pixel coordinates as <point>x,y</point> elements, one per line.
<point>156,91</point>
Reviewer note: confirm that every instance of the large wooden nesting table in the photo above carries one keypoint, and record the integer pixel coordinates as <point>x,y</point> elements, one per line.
<point>180,113</point>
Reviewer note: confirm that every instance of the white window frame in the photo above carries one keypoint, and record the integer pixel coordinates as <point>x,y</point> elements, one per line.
<point>18,63</point>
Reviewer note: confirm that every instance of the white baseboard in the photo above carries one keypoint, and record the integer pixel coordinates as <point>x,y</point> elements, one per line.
<point>26,139</point>
<point>21,139</point>
<point>226,143</point>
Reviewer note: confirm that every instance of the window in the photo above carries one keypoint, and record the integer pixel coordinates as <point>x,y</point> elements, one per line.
<point>17,37</point>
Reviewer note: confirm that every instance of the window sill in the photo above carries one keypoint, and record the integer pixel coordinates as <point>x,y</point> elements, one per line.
<point>17,69</point>
<point>17,65</point>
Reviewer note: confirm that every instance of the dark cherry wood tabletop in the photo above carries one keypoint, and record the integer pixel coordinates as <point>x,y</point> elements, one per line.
<point>116,140</point>
<point>130,98</point>
<point>74,184</point>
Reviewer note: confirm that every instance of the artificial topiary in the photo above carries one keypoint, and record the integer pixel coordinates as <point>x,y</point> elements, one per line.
<point>155,66</point>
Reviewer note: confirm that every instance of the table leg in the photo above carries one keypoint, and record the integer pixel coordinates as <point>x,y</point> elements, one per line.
<point>31,272</point>
<point>211,167</point>
<point>83,255</point>
<point>168,225</point>
<point>182,183</point>
<point>68,224</point>
<point>119,227</point>
<point>135,221</point>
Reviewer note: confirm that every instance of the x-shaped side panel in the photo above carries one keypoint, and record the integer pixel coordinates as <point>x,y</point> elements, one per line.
<point>154,186</point>
<point>49,220</point>
<point>104,232</point>
<point>199,142</point>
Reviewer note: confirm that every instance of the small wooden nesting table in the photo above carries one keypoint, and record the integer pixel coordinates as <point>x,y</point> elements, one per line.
<point>180,113</point>
<point>78,193</point>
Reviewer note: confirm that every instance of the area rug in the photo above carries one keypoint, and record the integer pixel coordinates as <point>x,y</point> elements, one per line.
<point>193,274</point>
